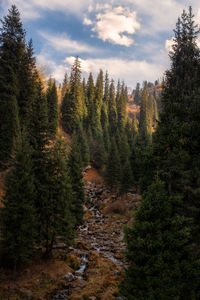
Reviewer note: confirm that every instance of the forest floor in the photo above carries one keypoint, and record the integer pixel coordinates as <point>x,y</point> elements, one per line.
<point>93,268</point>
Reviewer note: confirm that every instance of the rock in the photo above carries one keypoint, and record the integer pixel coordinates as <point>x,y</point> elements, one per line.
<point>69,277</point>
<point>116,273</point>
<point>26,294</point>
<point>87,168</point>
<point>85,208</point>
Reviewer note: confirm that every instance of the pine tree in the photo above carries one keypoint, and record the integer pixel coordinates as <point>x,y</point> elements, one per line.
<point>75,170</point>
<point>106,90</point>
<point>137,96</point>
<point>11,51</point>
<point>83,145</point>
<point>39,119</point>
<point>112,110</point>
<point>18,219</point>
<point>72,106</point>
<point>56,208</point>
<point>121,101</point>
<point>162,263</point>
<point>65,86</point>
<point>96,111</point>
<point>176,141</point>
<point>52,107</point>
<point>27,87</point>
<point>113,167</point>
<point>126,177</point>
<point>145,123</point>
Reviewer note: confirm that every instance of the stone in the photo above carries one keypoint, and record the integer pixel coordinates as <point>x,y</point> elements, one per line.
<point>26,294</point>
<point>69,277</point>
<point>116,273</point>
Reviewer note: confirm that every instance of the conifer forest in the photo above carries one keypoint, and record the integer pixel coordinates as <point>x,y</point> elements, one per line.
<point>99,184</point>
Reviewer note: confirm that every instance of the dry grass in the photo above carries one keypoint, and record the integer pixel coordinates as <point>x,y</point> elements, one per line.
<point>101,281</point>
<point>40,278</point>
<point>117,207</point>
<point>93,175</point>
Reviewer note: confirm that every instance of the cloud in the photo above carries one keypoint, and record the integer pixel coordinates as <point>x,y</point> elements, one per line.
<point>61,42</point>
<point>50,68</point>
<point>169,44</point>
<point>87,21</point>
<point>113,23</point>
<point>33,9</point>
<point>157,16</point>
<point>131,71</point>
<point>27,9</point>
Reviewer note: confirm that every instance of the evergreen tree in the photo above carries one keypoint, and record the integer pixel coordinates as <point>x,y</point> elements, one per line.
<point>72,106</point>
<point>39,119</point>
<point>162,264</point>
<point>145,123</point>
<point>74,163</point>
<point>127,177</point>
<point>97,129</point>
<point>137,96</point>
<point>18,219</point>
<point>65,86</point>
<point>56,208</point>
<point>112,110</point>
<point>52,107</point>
<point>106,90</point>
<point>11,52</point>
<point>121,107</point>
<point>176,143</point>
<point>83,145</point>
<point>27,87</point>
<point>113,167</point>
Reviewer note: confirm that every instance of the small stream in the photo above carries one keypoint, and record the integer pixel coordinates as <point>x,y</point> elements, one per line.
<point>98,237</point>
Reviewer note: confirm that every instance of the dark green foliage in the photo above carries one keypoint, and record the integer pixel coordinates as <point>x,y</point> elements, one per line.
<point>72,105</point>
<point>113,166</point>
<point>176,143</point>
<point>83,145</point>
<point>97,151</point>
<point>75,170</point>
<point>145,124</point>
<point>56,205</point>
<point>112,110</point>
<point>12,48</point>
<point>27,91</point>
<point>18,217</point>
<point>65,86</point>
<point>124,150</point>
<point>39,120</point>
<point>137,95</point>
<point>121,101</point>
<point>127,177</point>
<point>162,263</point>
<point>52,107</point>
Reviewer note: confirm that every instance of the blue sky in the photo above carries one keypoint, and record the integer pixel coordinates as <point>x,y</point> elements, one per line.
<point>129,38</point>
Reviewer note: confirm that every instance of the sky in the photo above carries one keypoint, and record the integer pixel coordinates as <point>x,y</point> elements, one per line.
<point>128,38</point>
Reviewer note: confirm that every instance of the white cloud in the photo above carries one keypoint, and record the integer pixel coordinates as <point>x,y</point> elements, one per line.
<point>87,21</point>
<point>169,44</point>
<point>131,71</point>
<point>27,9</point>
<point>61,42</point>
<point>113,23</point>
<point>162,15</point>
<point>50,68</point>
<point>32,9</point>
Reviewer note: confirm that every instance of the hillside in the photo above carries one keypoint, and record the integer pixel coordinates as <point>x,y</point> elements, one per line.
<point>93,267</point>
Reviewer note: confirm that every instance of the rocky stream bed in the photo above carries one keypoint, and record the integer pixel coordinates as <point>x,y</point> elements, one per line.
<point>100,239</point>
